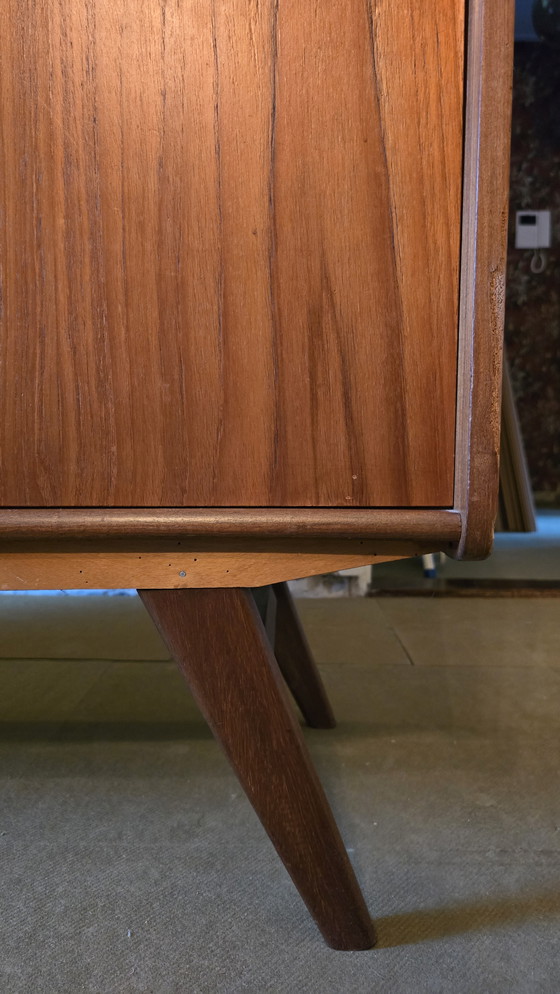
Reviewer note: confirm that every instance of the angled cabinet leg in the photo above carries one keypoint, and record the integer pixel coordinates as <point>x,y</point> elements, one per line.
<point>297,664</point>
<point>218,640</point>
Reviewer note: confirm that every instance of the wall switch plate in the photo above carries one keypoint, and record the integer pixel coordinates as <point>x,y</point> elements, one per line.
<point>532,229</point>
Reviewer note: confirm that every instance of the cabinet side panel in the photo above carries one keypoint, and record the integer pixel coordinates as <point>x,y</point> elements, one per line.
<point>229,241</point>
<point>483,263</point>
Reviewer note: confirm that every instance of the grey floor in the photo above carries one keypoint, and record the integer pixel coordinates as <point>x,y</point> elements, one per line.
<point>131,862</point>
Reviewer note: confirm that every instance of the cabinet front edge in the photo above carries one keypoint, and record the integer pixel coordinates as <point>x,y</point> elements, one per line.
<point>487,130</point>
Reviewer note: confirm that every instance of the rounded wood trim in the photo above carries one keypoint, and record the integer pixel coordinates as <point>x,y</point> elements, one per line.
<point>434,526</point>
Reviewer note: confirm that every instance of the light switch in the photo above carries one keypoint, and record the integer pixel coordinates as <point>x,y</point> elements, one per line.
<point>532,229</point>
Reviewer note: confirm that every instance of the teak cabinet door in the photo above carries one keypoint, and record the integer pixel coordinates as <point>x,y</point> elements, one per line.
<point>229,252</point>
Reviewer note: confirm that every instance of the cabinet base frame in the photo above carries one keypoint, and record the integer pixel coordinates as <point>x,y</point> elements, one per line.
<point>186,563</point>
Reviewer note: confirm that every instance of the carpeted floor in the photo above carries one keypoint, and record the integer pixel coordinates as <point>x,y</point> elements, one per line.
<point>132,864</point>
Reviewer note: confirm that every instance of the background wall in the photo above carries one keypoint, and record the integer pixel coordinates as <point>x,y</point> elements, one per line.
<point>533,301</point>
<point>524,30</point>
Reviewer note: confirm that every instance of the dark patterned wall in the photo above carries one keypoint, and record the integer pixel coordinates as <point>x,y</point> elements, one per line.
<point>533,301</point>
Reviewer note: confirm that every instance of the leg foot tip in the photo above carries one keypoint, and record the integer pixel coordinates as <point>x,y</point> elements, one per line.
<point>360,941</point>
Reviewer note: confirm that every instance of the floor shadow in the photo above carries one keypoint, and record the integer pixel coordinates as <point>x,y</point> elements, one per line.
<point>413,927</point>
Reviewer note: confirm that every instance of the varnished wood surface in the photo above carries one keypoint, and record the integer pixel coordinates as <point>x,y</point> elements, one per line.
<point>219,642</point>
<point>296,662</point>
<point>229,251</point>
<point>177,563</point>
<point>484,245</point>
<point>92,523</point>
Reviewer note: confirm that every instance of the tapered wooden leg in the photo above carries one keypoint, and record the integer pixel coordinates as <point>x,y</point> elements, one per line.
<point>296,662</point>
<point>218,640</point>
<point>266,606</point>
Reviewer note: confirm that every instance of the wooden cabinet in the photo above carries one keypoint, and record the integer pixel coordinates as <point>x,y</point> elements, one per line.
<point>251,257</point>
<point>251,263</point>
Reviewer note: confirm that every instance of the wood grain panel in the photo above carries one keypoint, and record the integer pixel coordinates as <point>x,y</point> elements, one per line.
<point>228,247</point>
